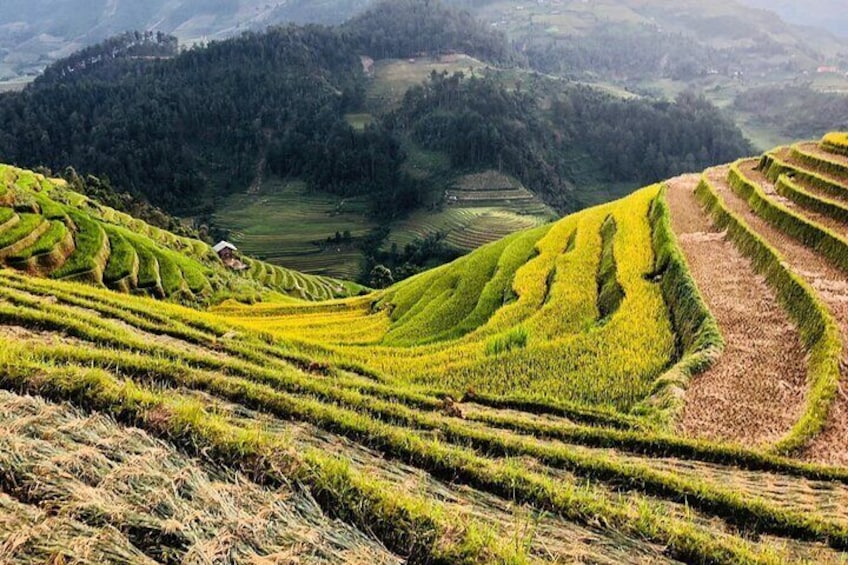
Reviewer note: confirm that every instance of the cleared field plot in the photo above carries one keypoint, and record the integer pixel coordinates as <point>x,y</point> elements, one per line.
<point>359,121</point>
<point>465,229</point>
<point>394,77</point>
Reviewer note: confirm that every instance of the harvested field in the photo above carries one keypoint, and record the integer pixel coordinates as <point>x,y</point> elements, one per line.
<point>755,392</point>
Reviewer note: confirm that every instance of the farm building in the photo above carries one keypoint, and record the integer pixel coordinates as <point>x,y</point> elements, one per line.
<point>227,252</point>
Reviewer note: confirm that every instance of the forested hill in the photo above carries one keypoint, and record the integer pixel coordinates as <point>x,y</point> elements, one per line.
<point>408,28</point>
<point>182,130</point>
<point>35,33</point>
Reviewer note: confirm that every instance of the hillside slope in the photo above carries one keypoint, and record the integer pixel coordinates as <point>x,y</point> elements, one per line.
<point>46,229</point>
<point>826,14</point>
<point>579,391</point>
<point>734,53</point>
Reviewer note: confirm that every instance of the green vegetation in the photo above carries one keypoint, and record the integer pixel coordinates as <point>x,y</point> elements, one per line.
<point>123,259</point>
<point>516,338</point>
<point>610,292</point>
<point>92,251</point>
<point>287,225</point>
<point>48,241</point>
<point>24,228</point>
<point>385,141</point>
<point>74,237</point>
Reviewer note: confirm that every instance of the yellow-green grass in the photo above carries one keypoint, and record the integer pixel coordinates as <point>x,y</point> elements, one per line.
<point>794,191</point>
<point>25,227</point>
<point>774,164</point>
<point>7,215</point>
<point>837,142</point>
<point>123,260</point>
<point>50,251</point>
<point>535,370</point>
<point>206,330</point>
<point>690,542</point>
<point>833,165</point>
<point>542,281</point>
<point>35,209</point>
<point>91,251</point>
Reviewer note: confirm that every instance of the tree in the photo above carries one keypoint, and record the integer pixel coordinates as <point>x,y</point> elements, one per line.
<point>381,277</point>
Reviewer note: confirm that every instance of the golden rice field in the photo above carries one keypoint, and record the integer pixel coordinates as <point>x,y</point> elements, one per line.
<point>548,398</point>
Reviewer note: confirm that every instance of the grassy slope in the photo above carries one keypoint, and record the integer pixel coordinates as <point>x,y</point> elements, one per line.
<point>554,336</point>
<point>114,249</point>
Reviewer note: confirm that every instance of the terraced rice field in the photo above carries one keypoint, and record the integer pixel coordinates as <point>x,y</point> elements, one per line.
<point>655,380</point>
<point>287,226</point>
<point>48,230</point>
<point>477,209</point>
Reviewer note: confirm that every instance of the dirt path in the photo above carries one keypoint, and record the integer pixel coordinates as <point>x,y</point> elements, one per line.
<point>832,288</point>
<point>755,392</point>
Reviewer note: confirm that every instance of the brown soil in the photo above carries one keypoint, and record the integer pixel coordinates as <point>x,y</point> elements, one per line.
<point>755,392</point>
<point>19,334</point>
<point>832,288</point>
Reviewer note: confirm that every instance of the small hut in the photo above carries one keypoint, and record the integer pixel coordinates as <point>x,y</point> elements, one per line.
<point>225,250</point>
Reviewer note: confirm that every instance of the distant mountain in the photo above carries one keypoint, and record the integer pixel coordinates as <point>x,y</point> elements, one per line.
<point>827,14</point>
<point>34,33</point>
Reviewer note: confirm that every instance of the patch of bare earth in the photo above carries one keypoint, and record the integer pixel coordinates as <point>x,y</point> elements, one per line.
<point>19,334</point>
<point>755,392</point>
<point>830,284</point>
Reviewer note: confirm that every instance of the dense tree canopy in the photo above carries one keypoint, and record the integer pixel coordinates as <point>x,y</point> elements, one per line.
<point>172,129</point>
<point>409,28</point>
<point>480,124</point>
<point>180,129</point>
